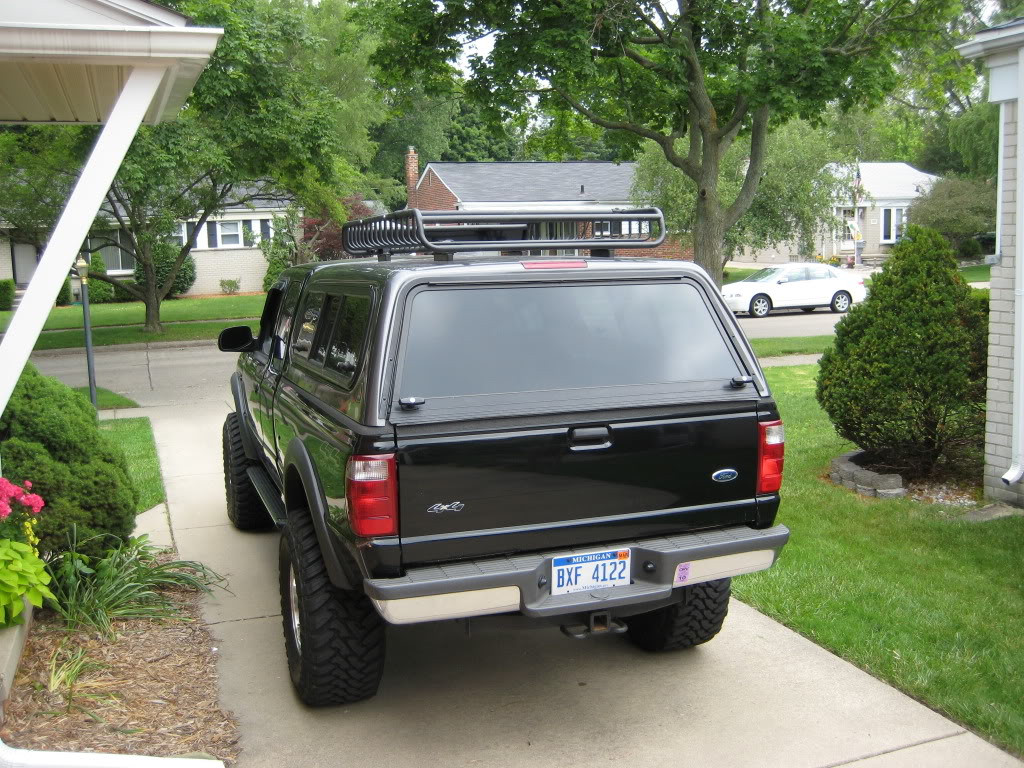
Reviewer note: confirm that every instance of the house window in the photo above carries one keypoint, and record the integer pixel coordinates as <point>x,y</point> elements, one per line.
<point>230,233</point>
<point>108,245</point>
<point>177,235</point>
<point>892,224</point>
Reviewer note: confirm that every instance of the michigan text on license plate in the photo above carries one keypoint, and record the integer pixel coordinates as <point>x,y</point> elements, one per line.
<point>593,570</point>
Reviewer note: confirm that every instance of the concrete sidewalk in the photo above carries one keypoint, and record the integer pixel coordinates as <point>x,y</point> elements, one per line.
<point>758,695</point>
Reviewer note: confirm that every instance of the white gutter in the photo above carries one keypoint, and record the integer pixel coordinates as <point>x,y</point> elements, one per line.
<point>24,758</point>
<point>1016,470</point>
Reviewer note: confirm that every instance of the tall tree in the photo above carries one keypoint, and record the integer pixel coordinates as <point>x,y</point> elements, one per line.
<point>282,109</point>
<point>703,72</point>
<point>799,186</point>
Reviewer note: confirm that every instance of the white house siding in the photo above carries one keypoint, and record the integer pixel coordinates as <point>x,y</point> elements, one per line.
<point>6,260</point>
<point>246,265</point>
<point>1000,331</point>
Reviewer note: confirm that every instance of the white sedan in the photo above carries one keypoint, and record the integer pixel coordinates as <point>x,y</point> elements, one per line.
<point>803,286</point>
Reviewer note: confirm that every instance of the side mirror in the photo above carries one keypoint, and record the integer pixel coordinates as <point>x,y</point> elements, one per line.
<point>782,280</point>
<point>237,338</point>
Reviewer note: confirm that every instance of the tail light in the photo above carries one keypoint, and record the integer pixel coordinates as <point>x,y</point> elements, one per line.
<point>770,454</point>
<point>371,486</point>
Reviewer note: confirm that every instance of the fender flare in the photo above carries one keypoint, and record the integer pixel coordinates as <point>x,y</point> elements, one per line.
<point>342,574</point>
<point>249,444</point>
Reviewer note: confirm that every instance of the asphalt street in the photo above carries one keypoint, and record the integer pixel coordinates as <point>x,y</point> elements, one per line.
<point>181,372</point>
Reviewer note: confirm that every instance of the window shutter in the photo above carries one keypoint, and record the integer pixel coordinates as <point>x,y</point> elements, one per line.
<point>247,238</point>
<point>265,229</point>
<point>190,232</point>
<point>211,234</point>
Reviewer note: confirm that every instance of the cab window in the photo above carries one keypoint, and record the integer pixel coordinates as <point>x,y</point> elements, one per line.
<point>309,320</point>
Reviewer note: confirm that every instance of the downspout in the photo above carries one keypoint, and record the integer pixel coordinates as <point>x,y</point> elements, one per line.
<point>1016,470</point>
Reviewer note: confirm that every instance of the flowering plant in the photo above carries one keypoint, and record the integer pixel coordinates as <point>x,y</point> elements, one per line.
<point>19,509</point>
<point>22,573</point>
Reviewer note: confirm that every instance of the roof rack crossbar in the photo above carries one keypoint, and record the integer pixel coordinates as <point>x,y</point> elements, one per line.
<point>449,232</point>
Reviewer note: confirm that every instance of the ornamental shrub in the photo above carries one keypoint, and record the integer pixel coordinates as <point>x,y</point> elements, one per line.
<point>99,291</point>
<point>6,295</point>
<point>64,296</point>
<point>164,255</point>
<point>905,380</point>
<point>48,434</point>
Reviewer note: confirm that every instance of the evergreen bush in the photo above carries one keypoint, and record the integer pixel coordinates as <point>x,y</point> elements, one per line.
<point>99,291</point>
<point>905,380</point>
<point>164,256</point>
<point>64,296</point>
<point>7,288</point>
<point>969,248</point>
<point>120,294</point>
<point>48,434</point>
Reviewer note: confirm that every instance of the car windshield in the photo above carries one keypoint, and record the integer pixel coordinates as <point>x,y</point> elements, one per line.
<point>764,275</point>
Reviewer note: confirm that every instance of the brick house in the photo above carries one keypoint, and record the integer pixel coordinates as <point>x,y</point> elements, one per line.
<point>529,186</point>
<point>1002,49</point>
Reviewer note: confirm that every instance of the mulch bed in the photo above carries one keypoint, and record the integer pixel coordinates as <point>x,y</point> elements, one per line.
<point>152,691</point>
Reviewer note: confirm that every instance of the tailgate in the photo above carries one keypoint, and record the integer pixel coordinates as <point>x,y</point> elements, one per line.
<point>568,413</point>
<point>480,492</point>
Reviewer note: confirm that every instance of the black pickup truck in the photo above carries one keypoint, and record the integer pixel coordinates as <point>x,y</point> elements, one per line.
<point>582,441</point>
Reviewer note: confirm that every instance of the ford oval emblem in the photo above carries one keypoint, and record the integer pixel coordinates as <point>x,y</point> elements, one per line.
<point>725,475</point>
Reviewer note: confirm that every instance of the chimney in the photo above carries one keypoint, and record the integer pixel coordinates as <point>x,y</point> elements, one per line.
<point>412,175</point>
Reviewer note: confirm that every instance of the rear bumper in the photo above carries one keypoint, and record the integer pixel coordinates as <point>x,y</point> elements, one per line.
<point>520,582</point>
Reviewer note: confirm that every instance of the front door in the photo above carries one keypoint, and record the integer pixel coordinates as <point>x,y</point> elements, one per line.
<point>24,263</point>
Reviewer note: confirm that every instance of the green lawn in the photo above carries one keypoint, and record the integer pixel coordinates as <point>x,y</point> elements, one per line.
<point>791,345</point>
<point>105,399</point>
<point>733,275</point>
<point>979,274</point>
<point>901,589</point>
<point>102,337</point>
<point>135,436</point>
<point>134,313</point>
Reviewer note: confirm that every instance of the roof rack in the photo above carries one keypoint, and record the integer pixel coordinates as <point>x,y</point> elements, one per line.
<point>445,233</point>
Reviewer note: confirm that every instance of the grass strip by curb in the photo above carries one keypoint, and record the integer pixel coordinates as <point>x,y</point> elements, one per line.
<point>904,590</point>
<point>135,437</point>
<point>134,313</point>
<point>106,400</point>
<point>791,345</point>
<point>104,337</point>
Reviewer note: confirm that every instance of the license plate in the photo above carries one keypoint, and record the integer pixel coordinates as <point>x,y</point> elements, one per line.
<point>594,570</point>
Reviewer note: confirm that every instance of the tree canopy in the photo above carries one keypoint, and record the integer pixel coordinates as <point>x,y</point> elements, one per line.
<point>703,72</point>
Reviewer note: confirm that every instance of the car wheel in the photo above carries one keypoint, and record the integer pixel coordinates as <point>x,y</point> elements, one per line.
<point>245,509</point>
<point>694,620</point>
<point>760,306</point>
<point>841,302</point>
<point>807,309</point>
<point>334,638</point>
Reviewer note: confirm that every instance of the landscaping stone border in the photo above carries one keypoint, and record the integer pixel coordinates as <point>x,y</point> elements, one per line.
<point>847,472</point>
<point>12,643</point>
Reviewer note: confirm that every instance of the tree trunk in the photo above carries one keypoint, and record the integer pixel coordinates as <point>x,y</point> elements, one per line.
<point>709,229</point>
<point>152,294</point>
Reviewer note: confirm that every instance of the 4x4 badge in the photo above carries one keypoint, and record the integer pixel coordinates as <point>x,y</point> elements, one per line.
<point>725,475</point>
<point>452,506</point>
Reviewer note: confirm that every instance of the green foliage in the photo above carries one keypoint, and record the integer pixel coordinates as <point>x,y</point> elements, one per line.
<point>285,247</point>
<point>22,573</point>
<point>164,256</point>
<point>969,249</point>
<point>48,434</point>
<point>100,292</point>
<point>798,189</point>
<point>7,289</point>
<point>473,136</point>
<point>964,143</point>
<point>888,134</point>
<point>64,295</point>
<point>230,287</point>
<point>121,294</point>
<point>905,380</point>
<point>958,209</point>
<point>127,581</point>
<point>696,75</point>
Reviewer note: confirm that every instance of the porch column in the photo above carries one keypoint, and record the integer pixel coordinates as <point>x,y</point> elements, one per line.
<point>78,215</point>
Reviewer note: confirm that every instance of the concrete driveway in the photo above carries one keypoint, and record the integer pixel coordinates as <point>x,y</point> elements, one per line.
<point>758,695</point>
